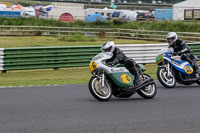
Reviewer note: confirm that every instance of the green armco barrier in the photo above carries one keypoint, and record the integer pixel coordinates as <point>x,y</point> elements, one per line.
<point>48,57</point>
<point>59,57</point>
<point>195,47</point>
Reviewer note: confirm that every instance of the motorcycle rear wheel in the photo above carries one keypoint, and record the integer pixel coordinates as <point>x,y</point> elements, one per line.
<point>198,82</point>
<point>149,91</point>
<point>99,92</point>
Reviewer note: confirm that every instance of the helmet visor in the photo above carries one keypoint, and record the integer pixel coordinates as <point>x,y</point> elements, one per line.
<point>169,40</point>
<point>107,49</point>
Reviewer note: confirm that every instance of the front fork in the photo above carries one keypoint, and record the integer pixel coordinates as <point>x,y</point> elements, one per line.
<point>169,74</point>
<point>168,71</point>
<point>102,79</point>
<point>167,68</point>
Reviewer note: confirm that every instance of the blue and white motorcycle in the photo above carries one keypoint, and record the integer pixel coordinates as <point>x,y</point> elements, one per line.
<point>172,69</point>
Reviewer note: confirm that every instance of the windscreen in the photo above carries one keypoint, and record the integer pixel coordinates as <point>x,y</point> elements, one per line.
<point>103,56</point>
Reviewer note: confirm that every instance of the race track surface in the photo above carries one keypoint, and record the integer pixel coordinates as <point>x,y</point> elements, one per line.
<point>72,109</point>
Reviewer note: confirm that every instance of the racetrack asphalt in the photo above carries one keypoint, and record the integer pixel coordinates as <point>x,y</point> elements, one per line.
<point>72,109</point>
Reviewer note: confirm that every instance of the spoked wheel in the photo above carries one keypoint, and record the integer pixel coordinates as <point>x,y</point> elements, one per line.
<point>148,91</point>
<point>167,80</point>
<point>99,92</point>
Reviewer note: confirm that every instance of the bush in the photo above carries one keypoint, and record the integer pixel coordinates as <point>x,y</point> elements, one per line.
<point>118,22</point>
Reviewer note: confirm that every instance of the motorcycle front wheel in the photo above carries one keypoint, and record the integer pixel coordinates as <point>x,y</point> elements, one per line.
<point>164,79</point>
<point>148,91</point>
<point>99,92</point>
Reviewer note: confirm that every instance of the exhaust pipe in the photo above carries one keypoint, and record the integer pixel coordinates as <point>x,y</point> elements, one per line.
<point>188,80</point>
<point>141,85</point>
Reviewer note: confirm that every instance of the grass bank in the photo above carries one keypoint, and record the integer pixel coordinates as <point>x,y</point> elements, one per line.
<point>40,41</point>
<point>53,77</point>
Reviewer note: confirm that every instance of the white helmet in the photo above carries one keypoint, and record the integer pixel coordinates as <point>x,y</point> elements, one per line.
<point>171,35</point>
<point>108,46</point>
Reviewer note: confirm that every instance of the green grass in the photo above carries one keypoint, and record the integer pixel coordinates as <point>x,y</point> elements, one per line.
<point>53,77</point>
<point>45,77</point>
<point>37,41</point>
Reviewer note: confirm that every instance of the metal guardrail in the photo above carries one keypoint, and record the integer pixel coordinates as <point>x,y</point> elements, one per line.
<point>74,56</point>
<point>8,30</point>
<point>46,57</point>
<point>142,53</point>
<point>146,53</point>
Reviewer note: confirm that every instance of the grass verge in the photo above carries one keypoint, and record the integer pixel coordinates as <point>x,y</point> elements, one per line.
<point>51,77</point>
<point>37,41</point>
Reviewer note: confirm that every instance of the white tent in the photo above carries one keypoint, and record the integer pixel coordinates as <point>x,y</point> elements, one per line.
<point>179,8</point>
<point>3,6</point>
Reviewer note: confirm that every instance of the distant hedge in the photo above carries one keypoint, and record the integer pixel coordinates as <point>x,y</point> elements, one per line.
<point>181,26</point>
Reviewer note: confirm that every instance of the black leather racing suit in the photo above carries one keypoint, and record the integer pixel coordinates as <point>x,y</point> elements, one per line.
<point>120,57</point>
<point>183,50</point>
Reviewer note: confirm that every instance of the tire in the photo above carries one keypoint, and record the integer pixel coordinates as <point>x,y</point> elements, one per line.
<point>149,91</point>
<point>95,88</point>
<point>198,82</point>
<point>164,79</point>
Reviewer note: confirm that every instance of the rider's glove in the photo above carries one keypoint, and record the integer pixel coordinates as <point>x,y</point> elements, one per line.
<point>176,53</point>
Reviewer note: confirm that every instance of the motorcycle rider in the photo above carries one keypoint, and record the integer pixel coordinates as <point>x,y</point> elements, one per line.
<point>183,50</point>
<point>119,57</point>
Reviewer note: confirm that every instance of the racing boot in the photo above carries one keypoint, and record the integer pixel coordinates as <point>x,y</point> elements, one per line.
<point>134,72</point>
<point>197,69</point>
<point>138,80</point>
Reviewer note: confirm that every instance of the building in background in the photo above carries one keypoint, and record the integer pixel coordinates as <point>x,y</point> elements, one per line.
<point>76,10</point>
<point>187,10</point>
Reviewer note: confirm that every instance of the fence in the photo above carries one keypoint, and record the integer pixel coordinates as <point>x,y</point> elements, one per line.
<point>71,56</point>
<point>102,32</point>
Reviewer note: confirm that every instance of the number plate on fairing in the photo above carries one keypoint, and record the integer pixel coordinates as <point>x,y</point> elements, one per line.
<point>122,79</point>
<point>93,66</point>
<point>125,78</point>
<point>188,69</point>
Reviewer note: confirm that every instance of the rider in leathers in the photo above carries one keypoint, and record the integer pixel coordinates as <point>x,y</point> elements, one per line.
<point>120,57</point>
<point>182,49</point>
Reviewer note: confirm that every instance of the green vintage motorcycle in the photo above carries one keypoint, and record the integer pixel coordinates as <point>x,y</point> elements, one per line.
<point>117,80</point>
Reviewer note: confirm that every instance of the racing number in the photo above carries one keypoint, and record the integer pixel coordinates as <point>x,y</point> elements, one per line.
<point>125,78</point>
<point>128,78</point>
<point>188,69</point>
<point>94,64</point>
